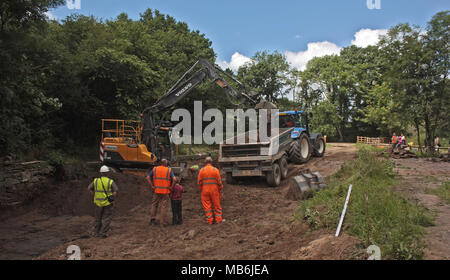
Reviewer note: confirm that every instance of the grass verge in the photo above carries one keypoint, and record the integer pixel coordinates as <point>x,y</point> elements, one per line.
<point>395,224</point>
<point>443,191</point>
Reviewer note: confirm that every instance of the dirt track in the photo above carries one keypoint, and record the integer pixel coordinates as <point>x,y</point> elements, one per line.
<point>259,223</point>
<point>416,176</point>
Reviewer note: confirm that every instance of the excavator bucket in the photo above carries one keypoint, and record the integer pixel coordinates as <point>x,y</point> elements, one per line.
<point>304,185</point>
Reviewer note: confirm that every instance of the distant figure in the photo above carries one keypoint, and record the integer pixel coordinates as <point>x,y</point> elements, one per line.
<point>403,140</point>
<point>193,170</point>
<point>104,190</point>
<point>400,140</point>
<point>160,180</point>
<point>210,183</point>
<point>394,139</point>
<point>176,198</point>
<point>437,143</point>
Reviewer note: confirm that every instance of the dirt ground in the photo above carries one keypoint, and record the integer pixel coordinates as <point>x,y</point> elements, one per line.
<point>417,175</point>
<point>259,220</point>
<point>259,223</point>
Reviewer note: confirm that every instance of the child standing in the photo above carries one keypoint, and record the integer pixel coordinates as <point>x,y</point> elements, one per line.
<point>176,199</point>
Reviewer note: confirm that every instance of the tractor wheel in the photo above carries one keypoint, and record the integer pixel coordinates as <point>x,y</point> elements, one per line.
<point>319,147</point>
<point>273,177</point>
<point>300,150</point>
<point>284,167</point>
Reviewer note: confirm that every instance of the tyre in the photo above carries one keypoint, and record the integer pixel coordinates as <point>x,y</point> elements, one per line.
<point>284,167</point>
<point>274,177</point>
<point>229,178</point>
<point>319,147</point>
<point>300,150</point>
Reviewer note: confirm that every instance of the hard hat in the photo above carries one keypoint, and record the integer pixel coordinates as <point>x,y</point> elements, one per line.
<point>104,169</point>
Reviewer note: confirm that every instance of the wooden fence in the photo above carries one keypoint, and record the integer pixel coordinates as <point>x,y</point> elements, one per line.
<point>372,140</point>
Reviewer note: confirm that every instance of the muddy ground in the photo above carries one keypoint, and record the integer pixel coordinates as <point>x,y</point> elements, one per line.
<point>259,223</point>
<point>416,176</point>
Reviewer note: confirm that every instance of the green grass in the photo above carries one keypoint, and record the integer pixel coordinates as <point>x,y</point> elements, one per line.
<point>396,224</point>
<point>370,148</point>
<point>443,191</point>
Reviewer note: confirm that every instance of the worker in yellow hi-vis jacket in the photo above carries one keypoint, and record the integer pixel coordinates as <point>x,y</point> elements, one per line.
<point>105,191</point>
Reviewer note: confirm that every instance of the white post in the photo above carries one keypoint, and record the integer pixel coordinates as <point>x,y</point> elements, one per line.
<point>343,211</point>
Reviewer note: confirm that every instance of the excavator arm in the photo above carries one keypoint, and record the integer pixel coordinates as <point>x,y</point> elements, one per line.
<point>208,70</point>
<point>182,88</point>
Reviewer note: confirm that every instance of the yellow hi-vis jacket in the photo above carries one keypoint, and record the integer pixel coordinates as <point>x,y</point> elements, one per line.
<point>102,191</point>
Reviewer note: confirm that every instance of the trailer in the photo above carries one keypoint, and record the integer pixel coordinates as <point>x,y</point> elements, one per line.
<point>292,142</point>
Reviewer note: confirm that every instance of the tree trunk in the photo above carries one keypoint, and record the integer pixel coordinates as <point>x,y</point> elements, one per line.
<point>428,136</point>
<point>418,134</point>
<point>341,136</point>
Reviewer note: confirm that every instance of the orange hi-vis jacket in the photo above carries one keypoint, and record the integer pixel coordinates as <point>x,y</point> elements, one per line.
<point>209,178</point>
<point>394,139</point>
<point>161,179</point>
<point>210,183</point>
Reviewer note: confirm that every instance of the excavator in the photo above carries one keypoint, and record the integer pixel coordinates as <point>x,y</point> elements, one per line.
<point>139,145</point>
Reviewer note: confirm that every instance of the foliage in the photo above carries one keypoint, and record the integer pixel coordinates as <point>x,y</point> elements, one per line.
<point>60,78</point>
<point>266,74</point>
<point>418,71</point>
<point>396,225</point>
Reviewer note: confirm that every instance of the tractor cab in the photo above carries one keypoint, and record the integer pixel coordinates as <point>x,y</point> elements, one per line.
<point>295,119</point>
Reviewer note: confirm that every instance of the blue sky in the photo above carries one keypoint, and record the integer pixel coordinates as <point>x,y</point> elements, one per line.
<point>299,29</point>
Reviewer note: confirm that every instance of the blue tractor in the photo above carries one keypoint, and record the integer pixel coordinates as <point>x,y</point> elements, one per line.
<point>305,144</point>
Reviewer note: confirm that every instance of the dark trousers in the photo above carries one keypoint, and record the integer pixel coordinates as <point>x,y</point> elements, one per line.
<point>177,218</point>
<point>103,217</point>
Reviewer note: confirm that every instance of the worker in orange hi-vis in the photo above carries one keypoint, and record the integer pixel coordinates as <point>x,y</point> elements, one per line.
<point>210,183</point>
<point>161,181</point>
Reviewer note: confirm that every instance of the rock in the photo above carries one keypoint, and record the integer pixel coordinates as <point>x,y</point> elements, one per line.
<point>189,235</point>
<point>87,253</point>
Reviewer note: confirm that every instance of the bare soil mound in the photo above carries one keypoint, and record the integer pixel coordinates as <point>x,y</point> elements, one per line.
<point>329,247</point>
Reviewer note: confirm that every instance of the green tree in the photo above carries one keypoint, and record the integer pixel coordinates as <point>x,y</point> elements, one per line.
<point>267,74</point>
<point>25,63</point>
<point>418,65</point>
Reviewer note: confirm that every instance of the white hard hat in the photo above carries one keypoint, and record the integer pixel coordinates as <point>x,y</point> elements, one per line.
<point>104,169</point>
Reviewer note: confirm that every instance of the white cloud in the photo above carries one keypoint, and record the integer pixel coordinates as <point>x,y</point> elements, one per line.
<point>362,38</point>
<point>316,49</point>
<point>50,15</point>
<point>368,37</point>
<point>237,60</point>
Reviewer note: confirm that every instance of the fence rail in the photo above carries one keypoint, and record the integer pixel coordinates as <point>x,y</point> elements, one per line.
<point>372,140</point>
<point>384,141</point>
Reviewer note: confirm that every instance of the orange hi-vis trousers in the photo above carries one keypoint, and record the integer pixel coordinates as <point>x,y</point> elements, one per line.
<point>210,183</point>
<point>211,196</point>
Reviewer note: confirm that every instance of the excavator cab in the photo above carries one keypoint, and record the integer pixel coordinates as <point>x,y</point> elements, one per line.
<point>121,145</point>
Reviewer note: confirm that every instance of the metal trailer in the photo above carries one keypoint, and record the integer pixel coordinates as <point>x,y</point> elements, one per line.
<point>259,159</point>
